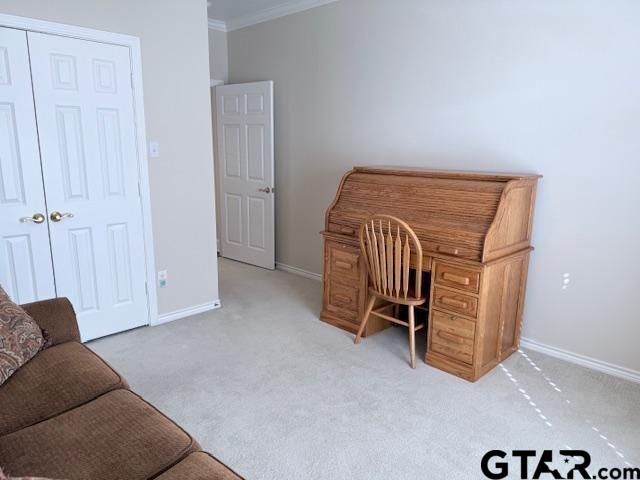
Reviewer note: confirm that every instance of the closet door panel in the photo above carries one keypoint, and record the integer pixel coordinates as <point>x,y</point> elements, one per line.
<point>84,107</point>
<point>25,256</point>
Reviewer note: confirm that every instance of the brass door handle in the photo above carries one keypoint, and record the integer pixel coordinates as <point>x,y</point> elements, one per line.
<point>36,218</point>
<point>267,190</point>
<point>57,216</point>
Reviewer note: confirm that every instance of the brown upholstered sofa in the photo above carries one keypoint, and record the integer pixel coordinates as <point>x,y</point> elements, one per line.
<point>66,414</point>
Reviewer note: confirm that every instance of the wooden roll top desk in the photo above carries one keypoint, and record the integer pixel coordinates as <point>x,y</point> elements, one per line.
<point>475,232</point>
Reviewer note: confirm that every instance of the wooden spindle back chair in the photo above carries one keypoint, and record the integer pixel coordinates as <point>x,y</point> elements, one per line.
<point>388,245</point>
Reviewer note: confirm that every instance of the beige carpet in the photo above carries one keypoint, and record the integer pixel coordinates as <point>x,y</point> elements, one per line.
<point>277,394</point>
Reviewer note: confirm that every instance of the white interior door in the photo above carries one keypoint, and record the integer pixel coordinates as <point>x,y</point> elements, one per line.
<point>244,114</point>
<point>84,109</point>
<point>25,257</point>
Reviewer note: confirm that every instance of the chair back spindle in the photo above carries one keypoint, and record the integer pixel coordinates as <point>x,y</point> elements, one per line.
<point>388,244</point>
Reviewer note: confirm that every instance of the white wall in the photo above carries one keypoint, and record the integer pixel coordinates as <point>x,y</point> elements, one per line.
<point>177,106</point>
<point>218,52</point>
<point>219,70</point>
<point>508,85</point>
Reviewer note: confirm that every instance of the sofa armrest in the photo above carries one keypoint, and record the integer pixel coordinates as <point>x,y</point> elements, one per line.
<point>57,317</point>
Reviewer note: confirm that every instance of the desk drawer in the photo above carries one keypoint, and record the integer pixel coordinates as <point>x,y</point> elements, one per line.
<point>343,296</point>
<point>343,229</point>
<point>457,277</point>
<point>344,260</point>
<point>454,301</point>
<point>342,299</point>
<point>452,336</point>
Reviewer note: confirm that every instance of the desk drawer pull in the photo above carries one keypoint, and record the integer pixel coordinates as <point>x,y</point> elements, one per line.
<point>347,230</point>
<point>450,337</point>
<point>452,277</point>
<point>343,298</point>
<point>454,302</point>
<point>346,265</point>
<point>449,250</point>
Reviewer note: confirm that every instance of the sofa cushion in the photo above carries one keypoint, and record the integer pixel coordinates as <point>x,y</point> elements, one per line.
<point>116,436</point>
<point>199,466</point>
<point>20,337</point>
<point>57,379</point>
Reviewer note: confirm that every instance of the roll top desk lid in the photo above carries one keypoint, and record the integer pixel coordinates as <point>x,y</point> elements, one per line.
<point>470,215</point>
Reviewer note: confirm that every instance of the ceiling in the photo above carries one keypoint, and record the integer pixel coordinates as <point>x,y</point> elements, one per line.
<point>226,10</point>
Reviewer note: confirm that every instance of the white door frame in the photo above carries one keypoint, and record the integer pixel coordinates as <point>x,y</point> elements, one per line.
<point>133,44</point>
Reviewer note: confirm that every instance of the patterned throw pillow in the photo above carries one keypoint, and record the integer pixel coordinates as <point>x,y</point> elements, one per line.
<point>20,337</point>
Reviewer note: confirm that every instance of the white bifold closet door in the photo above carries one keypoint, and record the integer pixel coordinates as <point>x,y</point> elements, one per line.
<point>84,108</point>
<point>25,256</point>
<point>89,172</point>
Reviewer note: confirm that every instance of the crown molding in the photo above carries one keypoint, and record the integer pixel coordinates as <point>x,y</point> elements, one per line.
<point>217,25</point>
<point>271,13</point>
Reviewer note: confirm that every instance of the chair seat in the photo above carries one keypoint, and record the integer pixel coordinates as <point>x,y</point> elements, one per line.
<point>69,373</point>
<point>410,300</point>
<point>116,436</point>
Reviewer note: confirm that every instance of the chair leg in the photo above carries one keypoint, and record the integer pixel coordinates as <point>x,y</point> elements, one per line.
<point>412,336</point>
<point>365,318</point>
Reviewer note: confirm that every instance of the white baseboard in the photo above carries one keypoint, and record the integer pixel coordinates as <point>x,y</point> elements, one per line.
<point>186,312</point>
<point>298,271</point>
<point>582,360</point>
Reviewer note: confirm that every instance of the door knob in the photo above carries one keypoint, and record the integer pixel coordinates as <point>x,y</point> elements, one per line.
<point>57,216</point>
<point>36,218</point>
<point>266,190</point>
